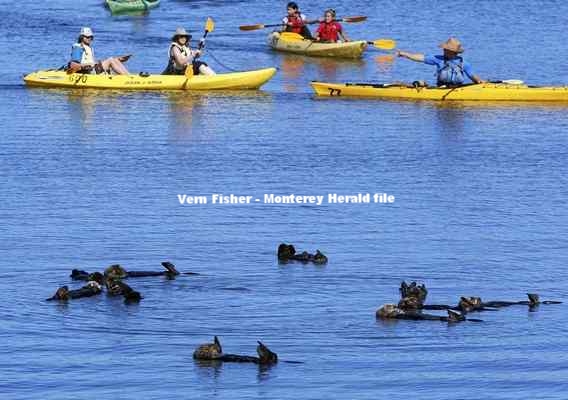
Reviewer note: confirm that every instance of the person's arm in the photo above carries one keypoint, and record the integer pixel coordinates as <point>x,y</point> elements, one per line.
<point>342,34</point>
<point>318,31</point>
<point>469,72</point>
<point>284,24</point>
<point>411,56</point>
<point>477,79</point>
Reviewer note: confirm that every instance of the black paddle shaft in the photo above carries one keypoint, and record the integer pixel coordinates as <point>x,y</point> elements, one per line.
<point>201,44</point>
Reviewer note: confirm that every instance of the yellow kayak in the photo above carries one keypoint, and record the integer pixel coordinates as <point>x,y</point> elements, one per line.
<point>294,43</point>
<point>232,81</point>
<point>481,92</point>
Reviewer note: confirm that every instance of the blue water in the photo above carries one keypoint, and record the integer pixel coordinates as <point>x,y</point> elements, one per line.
<point>91,178</point>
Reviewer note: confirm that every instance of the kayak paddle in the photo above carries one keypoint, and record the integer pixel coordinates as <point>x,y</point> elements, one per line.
<point>354,19</point>
<point>258,26</point>
<point>383,44</point>
<point>209,27</point>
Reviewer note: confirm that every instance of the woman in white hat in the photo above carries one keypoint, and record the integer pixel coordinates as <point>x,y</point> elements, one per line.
<point>451,68</point>
<point>83,57</point>
<point>181,56</point>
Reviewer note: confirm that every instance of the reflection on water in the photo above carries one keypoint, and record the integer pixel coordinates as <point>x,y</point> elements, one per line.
<point>209,368</point>
<point>385,63</point>
<point>183,107</point>
<point>199,110</point>
<point>213,369</point>
<point>491,105</point>
<point>296,67</point>
<point>450,120</point>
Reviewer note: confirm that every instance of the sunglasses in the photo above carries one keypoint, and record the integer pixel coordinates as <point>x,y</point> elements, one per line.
<point>89,37</point>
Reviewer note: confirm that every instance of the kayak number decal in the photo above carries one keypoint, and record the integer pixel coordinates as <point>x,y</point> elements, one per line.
<point>334,92</point>
<point>81,78</point>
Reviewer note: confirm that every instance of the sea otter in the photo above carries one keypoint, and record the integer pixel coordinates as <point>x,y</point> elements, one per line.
<point>92,288</point>
<point>214,352</point>
<point>287,252</point>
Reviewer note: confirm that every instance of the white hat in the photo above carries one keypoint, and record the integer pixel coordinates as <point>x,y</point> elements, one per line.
<point>86,31</point>
<point>181,32</point>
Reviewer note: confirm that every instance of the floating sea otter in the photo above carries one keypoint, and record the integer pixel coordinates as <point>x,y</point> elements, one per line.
<point>287,252</point>
<point>90,289</point>
<point>469,304</point>
<point>392,311</point>
<point>118,272</point>
<point>413,297</point>
<point>214,352</point>
<point>78,275</point>
<point>116,287</point>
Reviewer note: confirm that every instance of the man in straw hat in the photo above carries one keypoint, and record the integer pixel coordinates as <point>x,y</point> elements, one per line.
<point>181,56</point>
<point>451,68</point>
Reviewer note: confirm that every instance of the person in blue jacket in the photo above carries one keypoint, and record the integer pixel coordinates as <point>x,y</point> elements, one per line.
<point>451,69</point>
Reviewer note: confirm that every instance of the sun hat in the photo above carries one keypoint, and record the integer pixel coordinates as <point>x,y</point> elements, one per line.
<point>452,44</point>
<point>180,32</point>
<point>86,31</point>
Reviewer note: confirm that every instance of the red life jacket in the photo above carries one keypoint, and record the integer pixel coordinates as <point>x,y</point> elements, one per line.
<point>296,23</point>
<point>329,32</point>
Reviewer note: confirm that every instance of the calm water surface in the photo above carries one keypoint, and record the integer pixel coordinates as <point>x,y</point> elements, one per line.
<point>91,178</point>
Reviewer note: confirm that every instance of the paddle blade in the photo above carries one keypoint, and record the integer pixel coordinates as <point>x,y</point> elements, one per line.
<point>189,71</point>
<point>357,18</point>
<point>209,25</point>
<point>251,27</point>
<point>292,37</point>
<point>384,44</point>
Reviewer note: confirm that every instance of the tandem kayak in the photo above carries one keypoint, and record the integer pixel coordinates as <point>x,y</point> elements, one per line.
<point>294,43</point>
<point>473,92</point>
<point>232,81</point>
<point>125,6</point>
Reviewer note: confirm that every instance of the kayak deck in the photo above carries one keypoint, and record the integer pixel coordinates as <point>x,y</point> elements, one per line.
<point>474,92</point>
<point>232,81</point>
<point>294,43</point>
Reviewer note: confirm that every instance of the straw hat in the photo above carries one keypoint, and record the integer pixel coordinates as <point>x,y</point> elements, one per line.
<point>452,44</point>
<point>180,32</point>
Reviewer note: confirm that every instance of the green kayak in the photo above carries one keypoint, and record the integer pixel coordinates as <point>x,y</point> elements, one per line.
<point>125,6</point>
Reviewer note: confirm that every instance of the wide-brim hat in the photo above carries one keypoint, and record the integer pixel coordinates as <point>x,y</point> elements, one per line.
<point>179,33</point>
<point>452,44</point>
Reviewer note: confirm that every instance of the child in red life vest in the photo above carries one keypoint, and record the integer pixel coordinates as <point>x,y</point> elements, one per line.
<point>295,21</point>
<point>330,30</point>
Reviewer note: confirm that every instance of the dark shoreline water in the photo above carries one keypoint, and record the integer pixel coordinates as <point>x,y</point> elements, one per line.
<point>91,178</point>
